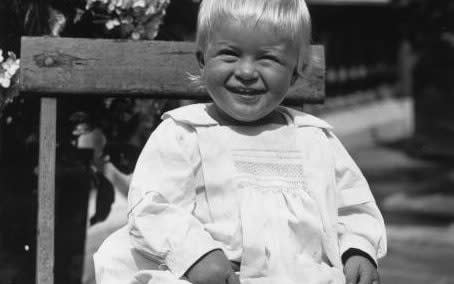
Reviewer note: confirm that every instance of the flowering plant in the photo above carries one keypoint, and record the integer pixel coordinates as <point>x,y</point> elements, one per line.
<point>135,19</point>
<point>8,79</point>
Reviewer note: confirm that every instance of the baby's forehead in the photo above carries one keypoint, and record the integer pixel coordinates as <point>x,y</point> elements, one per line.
<point>252,21</point>
<point>241,42</point>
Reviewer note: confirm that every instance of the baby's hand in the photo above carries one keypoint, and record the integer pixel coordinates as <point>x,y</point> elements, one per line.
<point>213,268</point>
<point>359,270</point>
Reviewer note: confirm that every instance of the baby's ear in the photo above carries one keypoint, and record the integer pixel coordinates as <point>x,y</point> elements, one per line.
<point>200,59</point>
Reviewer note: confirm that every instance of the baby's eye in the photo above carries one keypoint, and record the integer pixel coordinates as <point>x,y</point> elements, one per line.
<point>227,52</point>
<point>271,58</point>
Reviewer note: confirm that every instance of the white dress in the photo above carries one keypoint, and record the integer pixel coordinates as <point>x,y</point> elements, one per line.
<point>284,200</point>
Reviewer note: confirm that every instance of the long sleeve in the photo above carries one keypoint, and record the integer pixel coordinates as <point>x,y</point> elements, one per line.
<point>162,198</point>
<point>360,223</point>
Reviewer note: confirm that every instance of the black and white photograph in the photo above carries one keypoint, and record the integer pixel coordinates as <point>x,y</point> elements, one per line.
<point>226,141</point>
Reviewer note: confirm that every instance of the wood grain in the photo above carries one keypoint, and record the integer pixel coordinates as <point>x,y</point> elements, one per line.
<point>46,192</point>
<point>62,66</point>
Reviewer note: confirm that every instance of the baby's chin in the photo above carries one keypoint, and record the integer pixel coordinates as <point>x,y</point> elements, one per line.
<point>248,119</point>
<point>246,116</point>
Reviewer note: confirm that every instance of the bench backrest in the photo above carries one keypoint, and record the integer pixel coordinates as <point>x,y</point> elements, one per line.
<point>55,68</point>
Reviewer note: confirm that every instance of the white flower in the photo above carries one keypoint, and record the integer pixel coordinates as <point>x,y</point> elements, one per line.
<point>150,11</point>
<point>1,56</point>
<point>111,7</point>
<point>139,3</point>
<point>5,82</point>
<point>110,24</point>
<point>8,68</point>
<point>131,14</point>
<point>135,35</point>
<point>11,65</point>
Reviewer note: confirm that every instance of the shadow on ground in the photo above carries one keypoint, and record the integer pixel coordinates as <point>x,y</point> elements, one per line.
<point>416,196</point>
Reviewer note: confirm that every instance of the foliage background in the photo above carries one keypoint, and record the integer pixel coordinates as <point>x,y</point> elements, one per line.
<point>125,122</point>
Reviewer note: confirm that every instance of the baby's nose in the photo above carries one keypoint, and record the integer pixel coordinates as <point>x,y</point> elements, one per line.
<point>246,70</point>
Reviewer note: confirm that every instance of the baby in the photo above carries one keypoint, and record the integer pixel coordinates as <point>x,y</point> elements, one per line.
<point>243,190</point>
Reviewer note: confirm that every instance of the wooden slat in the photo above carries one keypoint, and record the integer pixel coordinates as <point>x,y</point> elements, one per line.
<point>46,192</point>
<point>349,2</point>
<point>61,66</point>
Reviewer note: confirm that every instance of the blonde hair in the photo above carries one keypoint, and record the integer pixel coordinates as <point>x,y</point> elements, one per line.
<point>288,18</point>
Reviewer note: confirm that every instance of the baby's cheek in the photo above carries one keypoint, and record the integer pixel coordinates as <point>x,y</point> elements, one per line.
<point>215,74</point>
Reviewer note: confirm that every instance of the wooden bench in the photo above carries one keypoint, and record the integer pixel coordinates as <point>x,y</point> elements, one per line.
<point>57,68</point>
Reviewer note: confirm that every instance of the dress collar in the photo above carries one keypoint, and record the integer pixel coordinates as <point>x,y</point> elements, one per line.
<point>197,115</point>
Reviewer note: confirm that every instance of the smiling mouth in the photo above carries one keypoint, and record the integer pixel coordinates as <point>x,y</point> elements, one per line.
<point>245,91</point>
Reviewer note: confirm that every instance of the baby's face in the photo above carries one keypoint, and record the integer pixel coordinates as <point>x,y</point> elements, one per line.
<point>247,70</point>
